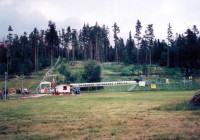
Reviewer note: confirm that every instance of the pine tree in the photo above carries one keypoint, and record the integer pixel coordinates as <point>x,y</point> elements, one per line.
<point>149,36</point>
<point>34,43</point>
<point>195,30</point>
<point>131,49</point>
<point>106,43</point>
<point>192,50</point>
<point>170,41</point>
<point>68,41</point>
<point>52,38</point>
<point>138,37</point>
<point>116,40</point>
<point>74,44</point>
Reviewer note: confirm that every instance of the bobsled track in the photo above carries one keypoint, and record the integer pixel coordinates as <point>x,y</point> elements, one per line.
<point>131,86</point>
<point>124,86</point>
<point>128,86</point>
<point>47,75</point>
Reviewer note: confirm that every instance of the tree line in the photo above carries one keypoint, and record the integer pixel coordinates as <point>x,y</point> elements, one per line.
<point>29,53</point>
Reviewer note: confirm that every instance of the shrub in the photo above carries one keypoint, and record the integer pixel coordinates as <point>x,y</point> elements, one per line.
<point>62,69</point>
<point>126,72</point>
<point>92,72</point>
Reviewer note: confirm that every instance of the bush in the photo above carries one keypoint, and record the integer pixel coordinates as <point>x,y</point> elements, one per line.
<point>177,107</point>
<point>60,79</point>
<point>70,78</point>
<point>92,72</point>
<point>126,72</point>
<point>63,70</point>
<point>145,70</point>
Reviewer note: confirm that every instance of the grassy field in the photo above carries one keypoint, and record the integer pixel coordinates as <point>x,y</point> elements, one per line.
<point>108,113</point>
<point>133,115</point>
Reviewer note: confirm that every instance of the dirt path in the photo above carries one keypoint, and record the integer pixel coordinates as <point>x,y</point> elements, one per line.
<point>36,96</point>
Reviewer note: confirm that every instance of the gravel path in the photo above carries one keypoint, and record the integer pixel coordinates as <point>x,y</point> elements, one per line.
<point>36,96</point>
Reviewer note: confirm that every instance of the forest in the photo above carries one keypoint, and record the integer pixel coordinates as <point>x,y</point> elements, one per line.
<point>26,54</point>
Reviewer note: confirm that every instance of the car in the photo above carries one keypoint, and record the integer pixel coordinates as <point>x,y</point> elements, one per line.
<point>25,91</point>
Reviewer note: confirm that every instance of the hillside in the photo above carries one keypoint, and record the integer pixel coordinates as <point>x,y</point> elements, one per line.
<point>110,71</point>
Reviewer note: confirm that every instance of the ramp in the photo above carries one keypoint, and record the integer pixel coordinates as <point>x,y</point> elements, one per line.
<point>130,89</point>
<point>47,74</point>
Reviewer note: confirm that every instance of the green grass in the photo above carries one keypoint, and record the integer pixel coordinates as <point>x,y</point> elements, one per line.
<point>108,113</point>
<point>135,115</point>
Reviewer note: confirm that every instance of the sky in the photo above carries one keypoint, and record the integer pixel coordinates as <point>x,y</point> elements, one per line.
<point>25,15</point>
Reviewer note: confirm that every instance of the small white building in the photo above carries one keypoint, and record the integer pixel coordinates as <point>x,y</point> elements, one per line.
<point>63,88</point>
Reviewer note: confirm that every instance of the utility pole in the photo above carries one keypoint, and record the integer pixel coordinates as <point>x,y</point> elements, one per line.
<point>22,86</point>
<point>10,41</point>
<point>5,90</point>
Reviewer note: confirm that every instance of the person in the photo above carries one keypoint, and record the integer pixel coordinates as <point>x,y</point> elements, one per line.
<point>54,90</point>
<point>141,78</point>
<point>1,94</point>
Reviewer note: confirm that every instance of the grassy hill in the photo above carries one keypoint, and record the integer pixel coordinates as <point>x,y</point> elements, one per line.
<point>110,71</point>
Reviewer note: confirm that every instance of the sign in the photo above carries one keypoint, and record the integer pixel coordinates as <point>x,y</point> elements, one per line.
<point>46,90</point>
<point>141,83</point>
<point>153,86</point>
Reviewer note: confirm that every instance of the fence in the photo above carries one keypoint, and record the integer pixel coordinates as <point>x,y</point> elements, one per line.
<point>149,86</point>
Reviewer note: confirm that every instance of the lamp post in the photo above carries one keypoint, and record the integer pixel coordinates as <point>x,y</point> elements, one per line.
<point>10,41</point>
<point>5,90</point>
<point>22,86</point>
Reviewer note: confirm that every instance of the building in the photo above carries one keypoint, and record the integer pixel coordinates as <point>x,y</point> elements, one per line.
<point>63,89</point>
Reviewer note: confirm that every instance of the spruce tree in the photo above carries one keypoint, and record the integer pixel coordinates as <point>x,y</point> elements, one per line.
<point>138,37</point>
<point>52,39</point>
<point>170,41</point>
<point>148,38</point>
<point>116,40</point>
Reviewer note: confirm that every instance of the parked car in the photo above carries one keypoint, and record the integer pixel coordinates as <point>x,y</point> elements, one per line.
<point>25,91</point>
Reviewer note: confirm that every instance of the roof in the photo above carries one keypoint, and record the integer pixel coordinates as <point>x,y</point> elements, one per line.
<point>64,85</point>
<point>45,82</point>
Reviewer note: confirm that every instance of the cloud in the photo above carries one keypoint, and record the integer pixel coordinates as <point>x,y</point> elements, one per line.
<point>25,15</point>
<point>73,22</point>
<point>22,22</point>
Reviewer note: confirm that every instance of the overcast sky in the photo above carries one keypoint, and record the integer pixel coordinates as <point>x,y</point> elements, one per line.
<point>25,15</point>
